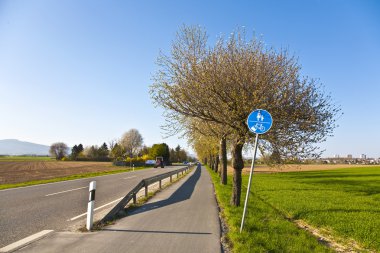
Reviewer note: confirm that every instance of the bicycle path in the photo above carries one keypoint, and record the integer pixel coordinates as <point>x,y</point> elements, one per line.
<point>182,218</point>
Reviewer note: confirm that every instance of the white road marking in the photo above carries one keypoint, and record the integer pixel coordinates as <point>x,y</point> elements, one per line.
<point>83,214</point>
<point>51,194</point>
<point>129,177</point>
<point>60,182</point>
<point>23,242</point>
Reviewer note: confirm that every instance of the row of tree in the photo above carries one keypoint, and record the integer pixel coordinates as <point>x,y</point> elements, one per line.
<point>208,93</point>
<point>129,148</point>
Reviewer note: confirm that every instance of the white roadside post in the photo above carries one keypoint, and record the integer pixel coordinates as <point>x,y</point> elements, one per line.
<point>90,205</point>
<point>259,122</point>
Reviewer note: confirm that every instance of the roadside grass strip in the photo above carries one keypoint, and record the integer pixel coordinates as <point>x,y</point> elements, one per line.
<point>71,177</point>
<point>317,211</point>
<point>265,229</point>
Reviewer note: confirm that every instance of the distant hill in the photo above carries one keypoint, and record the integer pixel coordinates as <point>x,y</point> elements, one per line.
<point>16,147</point>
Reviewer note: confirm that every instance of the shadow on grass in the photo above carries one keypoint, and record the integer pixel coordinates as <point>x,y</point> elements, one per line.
<point>346,173</point>
<point>300,215</point>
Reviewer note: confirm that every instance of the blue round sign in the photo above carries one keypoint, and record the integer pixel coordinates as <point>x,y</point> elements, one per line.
<point>259,121</point>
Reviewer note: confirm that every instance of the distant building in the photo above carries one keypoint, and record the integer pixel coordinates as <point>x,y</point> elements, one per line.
<point>363,156</point>
<point>336,156</point>
<point>349,156</point>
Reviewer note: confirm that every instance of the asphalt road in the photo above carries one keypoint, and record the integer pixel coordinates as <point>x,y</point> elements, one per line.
<point>182,218</point>
<point>57,206</point>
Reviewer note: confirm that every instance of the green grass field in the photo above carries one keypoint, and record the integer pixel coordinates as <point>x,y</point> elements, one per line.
<point>344,204</point>
<point>25,158</point>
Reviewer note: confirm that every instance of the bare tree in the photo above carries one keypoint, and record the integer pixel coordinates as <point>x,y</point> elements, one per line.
<point>58,150</point>
<point>132,142</point>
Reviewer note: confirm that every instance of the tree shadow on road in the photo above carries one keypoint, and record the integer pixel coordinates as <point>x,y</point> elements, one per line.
<point>184,192</point>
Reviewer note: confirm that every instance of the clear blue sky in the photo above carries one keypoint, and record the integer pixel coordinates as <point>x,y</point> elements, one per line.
<point>79,71</point>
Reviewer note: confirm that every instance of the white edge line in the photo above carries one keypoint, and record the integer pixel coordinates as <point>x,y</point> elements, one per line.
<point>129,177</point>
<point>51,194</point>
<point>60,182</point>
<point>28,240</point>
<point>110,203</point>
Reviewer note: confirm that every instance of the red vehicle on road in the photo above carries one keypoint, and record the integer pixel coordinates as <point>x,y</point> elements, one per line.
<point>159,162</point>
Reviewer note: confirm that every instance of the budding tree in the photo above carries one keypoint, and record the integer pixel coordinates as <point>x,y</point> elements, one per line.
<point>223,84</point>
<point>132,142</point>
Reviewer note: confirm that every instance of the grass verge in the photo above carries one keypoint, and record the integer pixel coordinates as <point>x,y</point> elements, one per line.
<point>265,229</point>
<point>71,177</point>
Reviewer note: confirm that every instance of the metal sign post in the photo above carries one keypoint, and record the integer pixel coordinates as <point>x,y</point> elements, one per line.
<point>259,122</point>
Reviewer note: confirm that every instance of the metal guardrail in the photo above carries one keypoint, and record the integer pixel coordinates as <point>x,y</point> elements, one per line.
<point>143,184</point>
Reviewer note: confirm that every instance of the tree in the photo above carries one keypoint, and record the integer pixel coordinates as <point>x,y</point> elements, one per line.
<point>211,131</point>
<point>76,150</point>
<point>117,151</point>
<point>58,150</point>
<point>144,151</point>
<point>80,148</point>
<point>91,152</point>
<point>225,83</point>
<point>180,154</point>
<point>173,156</point>
<point>103,151</point>
<point>132,142</point>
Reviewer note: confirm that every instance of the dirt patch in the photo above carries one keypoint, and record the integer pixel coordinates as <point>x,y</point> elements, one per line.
<point>339,245</point>
<point>18,172</point>
<point>297,167</point>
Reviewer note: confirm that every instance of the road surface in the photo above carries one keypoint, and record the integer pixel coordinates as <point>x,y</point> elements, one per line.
<point>182,218</point>
<point>57,206</point>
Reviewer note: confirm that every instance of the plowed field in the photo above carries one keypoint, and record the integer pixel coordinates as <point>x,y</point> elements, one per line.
<point>298,168</point>
<point>18,172</point>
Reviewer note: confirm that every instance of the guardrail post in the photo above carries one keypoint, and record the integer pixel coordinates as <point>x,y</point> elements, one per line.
<point>146,191</point>
<point>171,179</point>
<point>90,205</point>
<point>134,199</point>
<point>159,184</point>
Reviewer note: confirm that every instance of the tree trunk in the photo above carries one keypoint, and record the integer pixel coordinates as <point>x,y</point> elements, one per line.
<point>213,163</point>
<point>216,163</point>
<point>238,165</point>
<point>223,161</point>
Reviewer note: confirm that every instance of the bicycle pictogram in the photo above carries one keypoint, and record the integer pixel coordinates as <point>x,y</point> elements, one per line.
<point>259,127</point>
